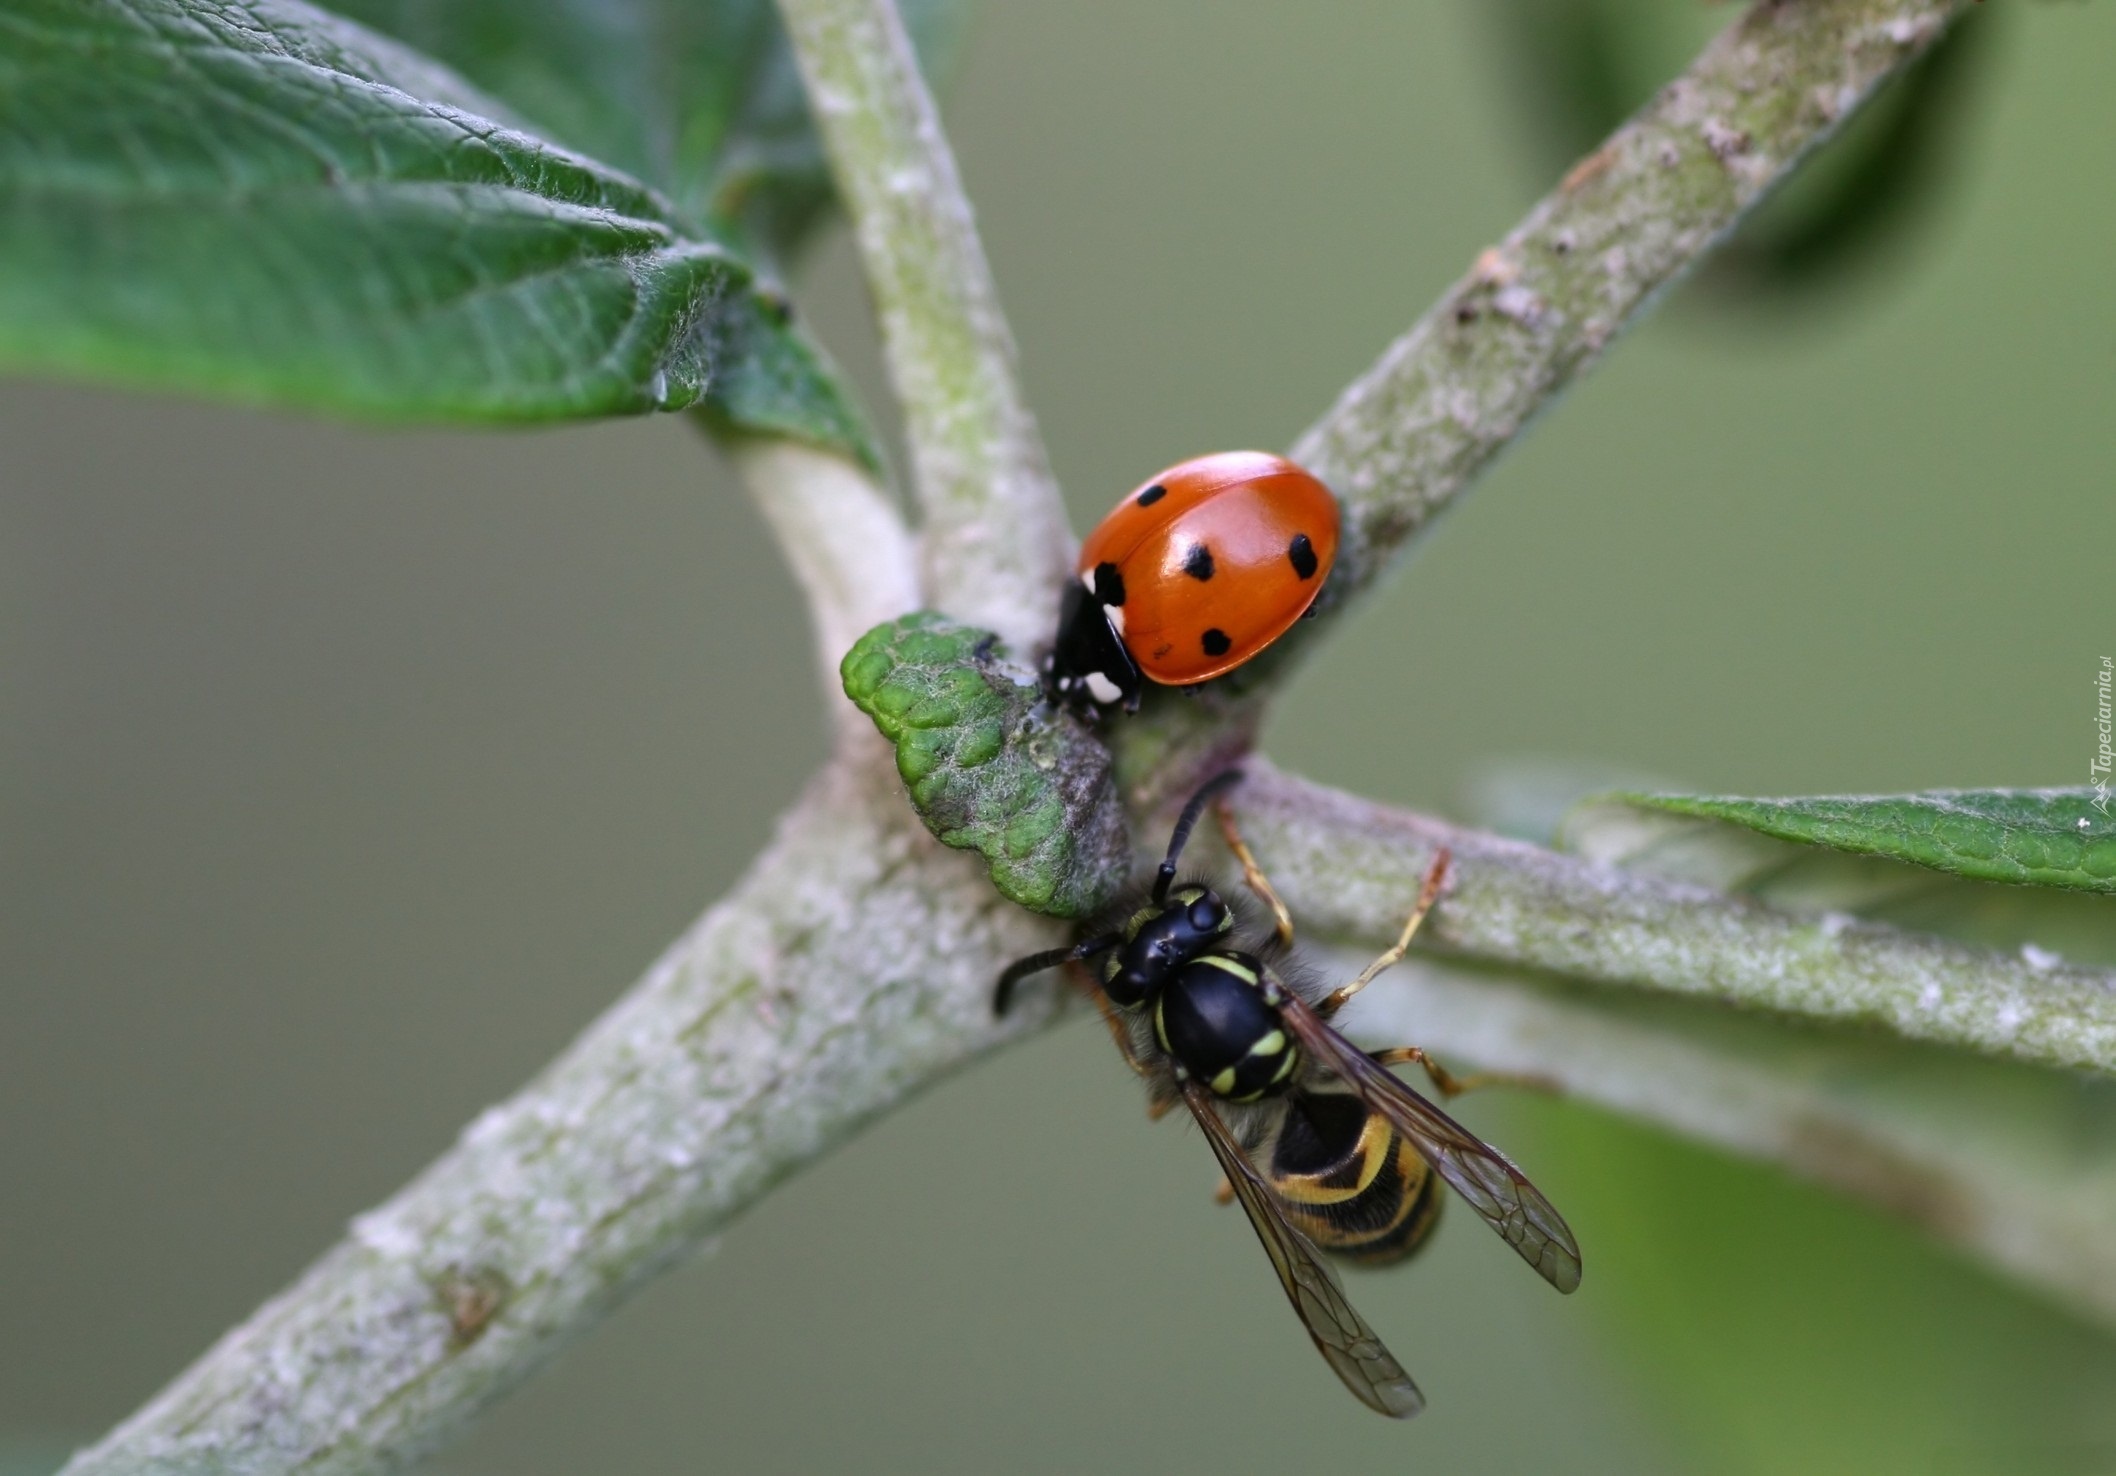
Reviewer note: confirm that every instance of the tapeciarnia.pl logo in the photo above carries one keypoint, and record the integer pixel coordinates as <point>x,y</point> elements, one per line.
<point>2098,771</point>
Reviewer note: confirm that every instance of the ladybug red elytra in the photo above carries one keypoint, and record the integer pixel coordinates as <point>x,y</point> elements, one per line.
<point>1193,573</point>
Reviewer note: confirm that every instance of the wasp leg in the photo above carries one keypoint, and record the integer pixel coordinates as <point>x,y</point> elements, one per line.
<point>1224,1194</point>
<point>1113,1021</point>
<point>1253,875</point>
<point>1451,1085</point>
<point>1428,894</point>
<point>1118,1032</point>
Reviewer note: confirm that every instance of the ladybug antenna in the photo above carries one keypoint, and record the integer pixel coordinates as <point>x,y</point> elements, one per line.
<point>1210,790</point>
<point>1036,963</point>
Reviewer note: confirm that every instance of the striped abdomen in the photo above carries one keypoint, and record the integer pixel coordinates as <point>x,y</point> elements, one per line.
<point>1348,1181</point>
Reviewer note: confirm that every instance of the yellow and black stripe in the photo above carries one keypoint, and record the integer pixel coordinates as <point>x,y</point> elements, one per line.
<point>1348,1181</point>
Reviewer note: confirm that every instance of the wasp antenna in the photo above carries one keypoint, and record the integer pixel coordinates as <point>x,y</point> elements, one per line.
<point>1036,963</point>
<point>1208,791</point>
<point>1093,946</point>
<point>1021,968</point>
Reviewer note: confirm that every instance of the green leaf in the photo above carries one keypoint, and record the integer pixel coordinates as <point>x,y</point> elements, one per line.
<point>2031,837</point>
<point>700,98</point>
<point>2039,922</point>
<point>990,766</point>
<point>262,201</point>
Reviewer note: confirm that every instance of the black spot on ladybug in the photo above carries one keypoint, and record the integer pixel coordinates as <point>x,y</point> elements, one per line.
<point>1216,642</point>
<point>1198,562</point>
<point>1151,495</point>
<point>1109,584</point>
<point>1302,553</point>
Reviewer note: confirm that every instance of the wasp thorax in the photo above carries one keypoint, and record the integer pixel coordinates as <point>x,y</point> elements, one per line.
<point>1161,940</point>
<point>1214,1019</point>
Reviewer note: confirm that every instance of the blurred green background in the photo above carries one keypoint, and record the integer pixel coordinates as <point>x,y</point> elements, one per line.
<point>344,775</point>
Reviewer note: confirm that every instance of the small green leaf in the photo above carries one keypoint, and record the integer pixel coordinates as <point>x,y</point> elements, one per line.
<point>2031,837</point>
<point>2038,922</point>
<point>990,766</point>
<point>771,380</point>
<point>262,201</point>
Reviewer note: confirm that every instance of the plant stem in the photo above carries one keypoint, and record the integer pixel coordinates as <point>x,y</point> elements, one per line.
<point>996,545</point>
<point>856,561</point>
<point>849,969</point>
<point>852,965</point>
<point>1969,1150</point>
<point>1346,865</point>
<point>1411,434</point>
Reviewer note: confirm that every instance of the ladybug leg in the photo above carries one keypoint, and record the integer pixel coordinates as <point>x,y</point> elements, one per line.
<point>1451,1085</point>
<point>1428,894</point>
<point>1088,666</point>
<point>1253,875</point>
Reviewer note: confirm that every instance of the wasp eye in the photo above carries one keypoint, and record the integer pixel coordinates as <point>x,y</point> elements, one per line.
<point>1207,913</point>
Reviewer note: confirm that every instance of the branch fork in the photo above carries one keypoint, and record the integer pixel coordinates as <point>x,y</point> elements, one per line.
<point>852,965</point>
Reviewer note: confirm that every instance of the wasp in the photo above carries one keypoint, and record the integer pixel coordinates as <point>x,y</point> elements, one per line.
<point>1324,1146</point>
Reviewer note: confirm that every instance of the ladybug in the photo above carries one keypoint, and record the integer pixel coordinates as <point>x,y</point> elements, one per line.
<point>1189,576</point>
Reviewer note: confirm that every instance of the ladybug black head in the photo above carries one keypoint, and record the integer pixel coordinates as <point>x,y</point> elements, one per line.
<point>1088,667</point>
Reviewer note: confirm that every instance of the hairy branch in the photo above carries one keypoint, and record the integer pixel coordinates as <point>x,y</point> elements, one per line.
<point>996,542</point>
<point>851,966</point>
<point>1970,1150</point>
<point>1411,434</point>
<point>1348,866</point>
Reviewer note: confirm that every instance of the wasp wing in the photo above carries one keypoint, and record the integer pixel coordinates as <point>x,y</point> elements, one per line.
<point>1473,1168</point>
<point>1341,1335</point>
